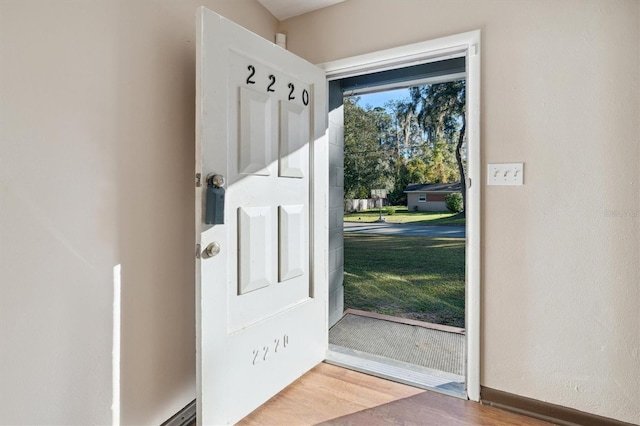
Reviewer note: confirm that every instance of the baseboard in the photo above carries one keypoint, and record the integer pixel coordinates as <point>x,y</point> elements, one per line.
<point>184,417</point>
<point>506,401</point>
<point>556,414</point>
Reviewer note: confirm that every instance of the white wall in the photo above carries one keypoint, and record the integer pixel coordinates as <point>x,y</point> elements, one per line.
<point>561,255</point>
<point>96,170</point>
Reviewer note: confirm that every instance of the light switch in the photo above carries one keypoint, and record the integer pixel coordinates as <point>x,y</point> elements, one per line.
<point>505,174</point>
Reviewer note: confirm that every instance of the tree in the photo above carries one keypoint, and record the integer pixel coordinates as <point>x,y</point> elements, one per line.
<point>442,115</point>
<point>408,135</point>
<point>415,140</point>
<point>417,170</point>
<point>365,163</point>
<point>441,163</point>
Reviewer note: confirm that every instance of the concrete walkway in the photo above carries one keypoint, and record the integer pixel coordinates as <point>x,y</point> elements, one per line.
<point>405,229</point>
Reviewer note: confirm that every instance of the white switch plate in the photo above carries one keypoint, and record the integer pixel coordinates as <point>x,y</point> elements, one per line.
<point>505,174</point>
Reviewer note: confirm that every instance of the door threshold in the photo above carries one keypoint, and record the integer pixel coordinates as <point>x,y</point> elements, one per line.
<point>407,321</point>
<point>397,371</point>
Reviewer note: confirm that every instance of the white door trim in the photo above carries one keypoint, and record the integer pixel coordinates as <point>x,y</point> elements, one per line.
<point>459,45</point>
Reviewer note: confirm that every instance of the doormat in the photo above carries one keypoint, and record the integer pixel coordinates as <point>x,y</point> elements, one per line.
<point>431,348</point>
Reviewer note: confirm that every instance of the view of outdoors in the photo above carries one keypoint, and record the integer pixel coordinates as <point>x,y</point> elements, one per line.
<point>410,142</point>
<point>416,139</point>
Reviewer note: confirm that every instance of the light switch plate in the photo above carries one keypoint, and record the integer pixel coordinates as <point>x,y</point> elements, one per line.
<point>505,174</point>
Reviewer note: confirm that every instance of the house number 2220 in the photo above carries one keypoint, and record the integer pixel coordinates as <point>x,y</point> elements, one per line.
<point>261,355</point>
<point>272,81</point>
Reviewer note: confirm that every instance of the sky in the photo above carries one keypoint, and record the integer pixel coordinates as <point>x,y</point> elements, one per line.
<point>380,98</point>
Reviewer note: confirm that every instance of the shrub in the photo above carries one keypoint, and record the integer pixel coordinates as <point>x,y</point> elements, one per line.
<point>390,210</point>
<point>454,202</point>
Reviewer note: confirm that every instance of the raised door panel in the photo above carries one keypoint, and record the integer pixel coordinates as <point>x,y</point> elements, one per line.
<point>255,258</point>
<point>291,242</point>
<point>294,137</point>
<point>254,154</point>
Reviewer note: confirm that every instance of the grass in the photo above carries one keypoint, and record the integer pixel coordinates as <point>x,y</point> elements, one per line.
<point>410,277</point>
<point>402,215</point>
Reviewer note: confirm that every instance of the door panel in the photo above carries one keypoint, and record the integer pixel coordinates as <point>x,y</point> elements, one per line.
<point>262,301</point>
<point>255,132</point>
<point>294,130</point>
<point>292,242</point>
<point>255,252</point>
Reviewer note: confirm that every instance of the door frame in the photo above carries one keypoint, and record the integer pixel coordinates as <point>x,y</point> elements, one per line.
<point>460,45</point>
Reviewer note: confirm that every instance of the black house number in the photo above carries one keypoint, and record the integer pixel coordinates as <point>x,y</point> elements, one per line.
<point>251,74</point>
<point>272,82</point>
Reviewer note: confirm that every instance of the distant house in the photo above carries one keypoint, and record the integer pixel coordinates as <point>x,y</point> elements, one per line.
<point>430,196</point>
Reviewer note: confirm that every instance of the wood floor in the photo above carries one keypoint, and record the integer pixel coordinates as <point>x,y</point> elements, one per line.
<point>330,395</point>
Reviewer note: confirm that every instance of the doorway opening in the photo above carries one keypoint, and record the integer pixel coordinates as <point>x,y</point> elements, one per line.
<point>427,69</point>
<point>404,277</point>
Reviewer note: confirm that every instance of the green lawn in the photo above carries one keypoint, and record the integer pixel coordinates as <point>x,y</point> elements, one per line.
<point>410,277</point>
<point>402,215</point>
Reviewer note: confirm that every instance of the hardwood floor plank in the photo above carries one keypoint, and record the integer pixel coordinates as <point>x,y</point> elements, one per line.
<point>361,392</point>
<point>388,387</point>
<point>325,393</point>
<point>330,395</point>
<point>430,408</point>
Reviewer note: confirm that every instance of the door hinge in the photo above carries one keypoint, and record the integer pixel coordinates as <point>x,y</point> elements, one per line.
<point>197,251</point>
<point>198,180</point>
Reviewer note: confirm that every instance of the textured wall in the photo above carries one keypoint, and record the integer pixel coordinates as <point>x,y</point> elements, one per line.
<point>97,117</point>
<point>561,270</point>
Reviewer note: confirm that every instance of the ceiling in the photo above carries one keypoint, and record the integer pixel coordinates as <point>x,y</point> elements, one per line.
<point>285,9</point>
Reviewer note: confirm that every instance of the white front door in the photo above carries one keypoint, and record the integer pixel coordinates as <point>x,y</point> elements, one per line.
<point>262,275</point>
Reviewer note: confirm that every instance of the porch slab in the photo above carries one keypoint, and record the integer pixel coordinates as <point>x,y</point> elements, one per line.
<point>431,348</point>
